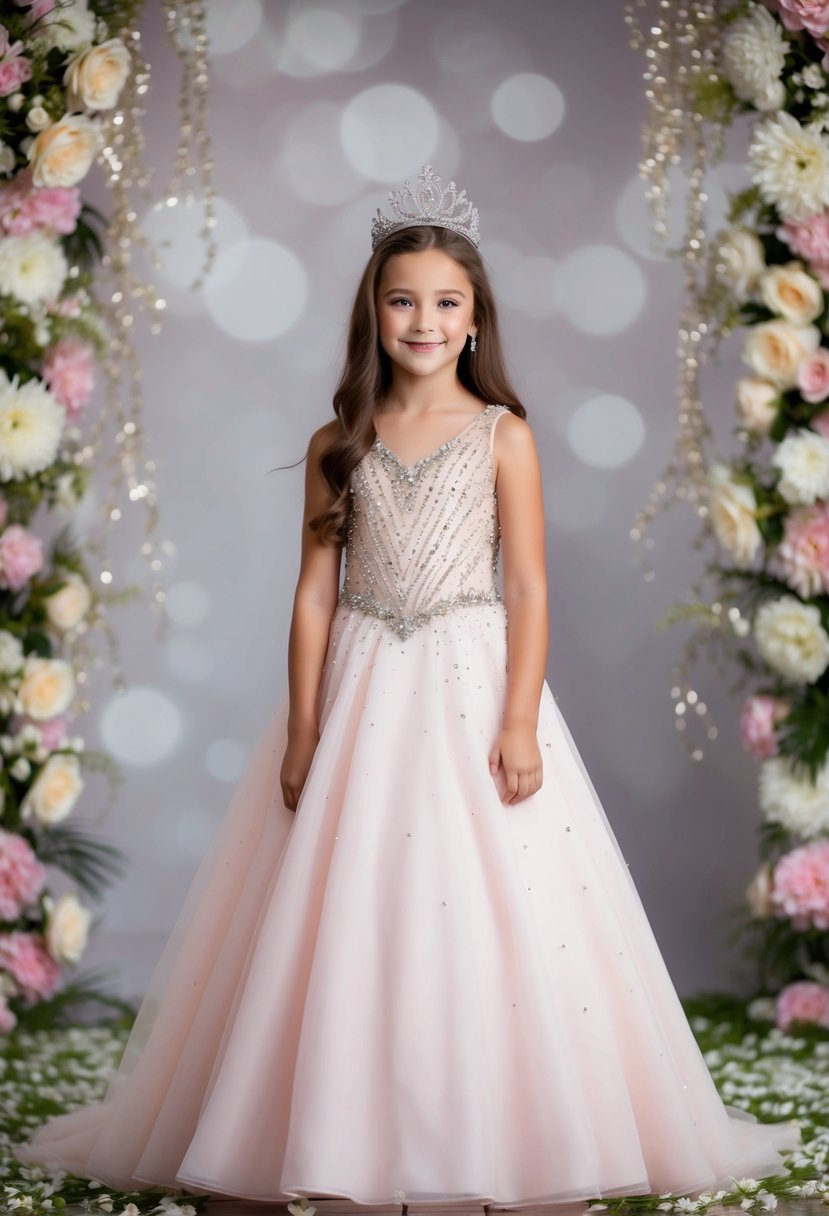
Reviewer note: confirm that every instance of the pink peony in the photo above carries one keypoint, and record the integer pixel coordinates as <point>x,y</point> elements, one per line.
<point>808,238</point>
<point>69,370</point>
<point>52,732</point>
<point>813,376</point>
<point>22,876</point>
<point>21,556</point>
<point>25,957</point>
<point>8,1021</point>
<point>820,423</point>
<point>811,15</point>
<point>803,552</point>
<point>26,208</point>
<point>14,67</point>
<point>800,885</point>
<point>802,1001</point>
<point>758,719</point>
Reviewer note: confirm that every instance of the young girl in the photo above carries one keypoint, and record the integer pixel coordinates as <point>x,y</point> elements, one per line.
<point>412,969</point>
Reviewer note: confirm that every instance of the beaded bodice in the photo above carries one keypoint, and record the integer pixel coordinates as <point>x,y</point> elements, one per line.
<point>423,539</point>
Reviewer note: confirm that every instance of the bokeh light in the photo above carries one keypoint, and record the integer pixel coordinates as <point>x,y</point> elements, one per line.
<point>232,26</point>
<point>141,727</point>
<point>311,159</point>
<point>528,106</point>
<point>602,289</point>
<point>606,431</point>
<point>465,40</point>
<point>388,131</point>
<point>257,290</point>
<point>225,759</point>
<point>318,39</point>
<point>188,603</point>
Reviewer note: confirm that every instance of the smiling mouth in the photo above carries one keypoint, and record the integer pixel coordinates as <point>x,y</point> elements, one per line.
<point>423,345</point>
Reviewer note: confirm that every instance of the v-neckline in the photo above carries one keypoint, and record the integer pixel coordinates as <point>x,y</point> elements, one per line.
<point>378,442</point>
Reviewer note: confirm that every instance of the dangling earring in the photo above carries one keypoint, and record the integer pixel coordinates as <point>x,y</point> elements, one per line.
<point>473,345</point>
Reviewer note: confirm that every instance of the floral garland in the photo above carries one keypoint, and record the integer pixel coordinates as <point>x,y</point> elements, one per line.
<point>64,65</point>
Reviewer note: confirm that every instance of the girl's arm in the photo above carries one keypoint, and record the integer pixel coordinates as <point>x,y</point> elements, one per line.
<point>315,601</point>
<point>521,515</point>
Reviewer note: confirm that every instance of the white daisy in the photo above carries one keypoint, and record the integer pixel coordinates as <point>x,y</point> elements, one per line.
<point>33,267</point>
<point>797,804</point>
<point>803,459</point>
<point>791,638</point>
<point>31,426</point>
<point>790,164</point>
<point>753,56</point>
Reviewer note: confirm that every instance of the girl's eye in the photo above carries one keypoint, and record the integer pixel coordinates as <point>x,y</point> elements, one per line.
<point>454,303</point>
<point>401,300</point>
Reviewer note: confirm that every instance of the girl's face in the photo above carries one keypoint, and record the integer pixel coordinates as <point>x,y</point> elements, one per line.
<point>425,307</point>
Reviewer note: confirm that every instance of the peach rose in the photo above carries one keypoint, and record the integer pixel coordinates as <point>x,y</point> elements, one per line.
<point>94,78</point>
<point>54,791</point>
<point>775,350</point>
<point>68,606</point>
<point>757,403</point>
<point>791,293</point>
<point>67,928</point>
<point>63,153</point>
<point>47,687</point>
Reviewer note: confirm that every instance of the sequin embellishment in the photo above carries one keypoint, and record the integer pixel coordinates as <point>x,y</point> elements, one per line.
<point>423,539</point>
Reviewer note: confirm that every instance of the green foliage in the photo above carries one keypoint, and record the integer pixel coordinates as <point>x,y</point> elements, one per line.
<point>804,733</point>
<point>93,864</point>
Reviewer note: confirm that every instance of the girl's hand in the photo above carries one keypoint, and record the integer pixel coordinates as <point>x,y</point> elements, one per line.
<point>516,750</point>
<point>295,765</point>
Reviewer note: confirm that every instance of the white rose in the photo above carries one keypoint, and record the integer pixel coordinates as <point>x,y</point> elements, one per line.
<point>67,928</point>
<point>11,653</point>
<point>758,893</point>
<point>803,458</point>
<point>733,517</point>
<point>69,605</point>
<point>63,153</point>
<point>792,293</point>
<point>757,403</point>
<point>742,256</point>
<point>38,118</point>
<point>799,804</point>
<point>54,791</point>
<point>775,350</point>
<point>67,26</point>
<point>94,78</point>
<point>47,687</point>
<point>791,638</point>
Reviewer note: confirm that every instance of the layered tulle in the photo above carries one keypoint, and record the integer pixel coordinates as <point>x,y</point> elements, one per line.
<point>407,986</point>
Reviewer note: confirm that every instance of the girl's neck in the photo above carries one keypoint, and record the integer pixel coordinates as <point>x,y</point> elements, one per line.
<point>424,395</point>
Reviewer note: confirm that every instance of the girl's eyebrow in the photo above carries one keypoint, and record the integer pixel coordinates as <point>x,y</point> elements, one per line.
<point>446,291</point>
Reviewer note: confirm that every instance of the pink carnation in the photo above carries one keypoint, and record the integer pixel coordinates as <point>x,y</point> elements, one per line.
<point>8,1021</point>
<point>802,1001</point>
<point>22,876</point>
<point>808,238</point>
<point>21,556</point>
<point>813,376</point>
<point>25,208</point>
<point>811,15</point>
<point>803,552</point>
<point>25,957</point>
<point>69,370</point>
<point>800,885</point>
<point>758,719</point>
<point>14,67</point>
<point>52,732</point>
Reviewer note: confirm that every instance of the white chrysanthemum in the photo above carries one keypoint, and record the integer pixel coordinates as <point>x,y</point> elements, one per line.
<point>800,806</point>
<point>753,57</point>
<point>31,426</point>
<point>33,267</point>
<point>11,653</point>
<point>803,459</point>
<point>732,508</point>
<point>791,638</point>
<point>68,25</point>
<point>790,164</point>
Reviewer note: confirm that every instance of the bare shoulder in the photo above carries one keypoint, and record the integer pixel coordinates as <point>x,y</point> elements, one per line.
<point>514,442</point>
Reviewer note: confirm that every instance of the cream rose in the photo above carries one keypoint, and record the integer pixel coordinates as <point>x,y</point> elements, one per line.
<point>63,153</point>
<point>743,261</point>
<point>757,403</point>
<point>69,605</point>
<point>792,293</point>
<point>54,791</point>
<point>775,349</point>
<point>791,638</point>
<point>94,78</point>
<point>67,927</point>
<point>47,687</point>
<point>732,509</point>
<point>758,893</point>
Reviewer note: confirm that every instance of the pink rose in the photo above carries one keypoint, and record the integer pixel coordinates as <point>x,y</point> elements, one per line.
<point>52,732</point>
<point>758,719</point>
<point>811,15</point>
<point>808,238</point>
<point>803,553</point>
<point>800,886</point>
<point>820,423</point>
<point>26,208</point>
<point>69,370</point>
<point>813,376</point>
<point>21,556</point>
<point>22,877</point>
<point>802,1001</point>
<point>14,67</point>
<point>25,957</point>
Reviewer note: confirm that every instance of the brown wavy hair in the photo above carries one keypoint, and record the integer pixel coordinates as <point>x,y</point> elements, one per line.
<point>367,371</point>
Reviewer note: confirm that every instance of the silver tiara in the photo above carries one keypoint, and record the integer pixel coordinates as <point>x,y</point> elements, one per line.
<point>430,204</point>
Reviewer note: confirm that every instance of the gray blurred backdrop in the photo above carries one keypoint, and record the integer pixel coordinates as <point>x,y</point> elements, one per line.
<point>316,111</point>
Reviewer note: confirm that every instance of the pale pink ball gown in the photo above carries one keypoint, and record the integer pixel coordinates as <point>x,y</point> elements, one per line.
<point>407,988</point>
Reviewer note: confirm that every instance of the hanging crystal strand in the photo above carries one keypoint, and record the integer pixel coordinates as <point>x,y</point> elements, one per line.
<point>680,45</point>
<point>123,457</point>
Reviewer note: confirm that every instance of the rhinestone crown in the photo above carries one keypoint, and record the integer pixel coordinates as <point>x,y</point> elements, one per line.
<point>429,203</point>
